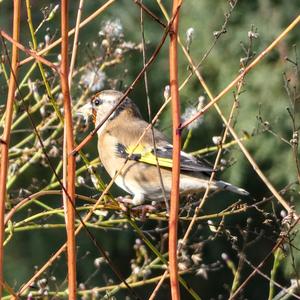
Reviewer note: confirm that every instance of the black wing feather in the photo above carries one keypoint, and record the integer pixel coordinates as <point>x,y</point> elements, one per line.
<point>186,163</point>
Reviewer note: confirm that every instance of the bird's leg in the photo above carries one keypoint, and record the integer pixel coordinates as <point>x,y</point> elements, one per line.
<point>136,206</point>
<point>137,199</point>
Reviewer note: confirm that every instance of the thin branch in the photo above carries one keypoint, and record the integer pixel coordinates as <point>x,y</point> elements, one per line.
<point>231,130</point>
<point>68,160</point>
<point>5,139</point>
<point>75,42</point>
<point>72,31</point>
<point>32,54</point>
<point>278,244</point>
<point>149,12</point>
<point>174,201</point>
<point>246,70</point>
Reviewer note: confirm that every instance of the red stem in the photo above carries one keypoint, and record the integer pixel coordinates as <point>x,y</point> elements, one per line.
<point>5,139</point>
<point>174,202</point>
<point>28,51</point>
<point>68,160</point>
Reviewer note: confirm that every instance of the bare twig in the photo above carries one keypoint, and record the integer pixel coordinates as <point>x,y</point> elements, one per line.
<point>174,201</point>
<point>245,71</point>
<point>278,244</point>
<point>68,160</point>
<point>72,31</point>
<point>5,139</point>
<point>29,52</point>
<point>75,42</point>
<point>235,136</point>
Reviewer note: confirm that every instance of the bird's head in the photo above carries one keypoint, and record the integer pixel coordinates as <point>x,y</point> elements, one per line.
<point>104,102</point>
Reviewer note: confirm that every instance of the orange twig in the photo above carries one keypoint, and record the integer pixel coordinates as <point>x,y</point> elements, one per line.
<point>5,139</point>
<point>32,53</point>
<point>68,160</point>
<point>174,202</point>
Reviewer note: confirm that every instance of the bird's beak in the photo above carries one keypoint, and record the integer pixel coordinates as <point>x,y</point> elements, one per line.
<point>85,110</point>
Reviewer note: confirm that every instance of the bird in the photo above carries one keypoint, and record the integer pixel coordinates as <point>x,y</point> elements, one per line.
<point>135,160</point>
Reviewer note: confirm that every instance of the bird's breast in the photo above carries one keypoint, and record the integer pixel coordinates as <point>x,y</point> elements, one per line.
<point>108,155</point>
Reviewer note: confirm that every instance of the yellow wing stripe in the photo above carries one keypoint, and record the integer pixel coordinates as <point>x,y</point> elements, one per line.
<point>148,157</point>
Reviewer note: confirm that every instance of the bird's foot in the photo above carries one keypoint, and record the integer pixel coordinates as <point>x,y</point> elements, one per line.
<point>132,205</point>
<point>143,210</point>
<point>137,200</point>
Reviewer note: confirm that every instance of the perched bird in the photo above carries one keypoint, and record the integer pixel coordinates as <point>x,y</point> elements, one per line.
<point>139,176</point>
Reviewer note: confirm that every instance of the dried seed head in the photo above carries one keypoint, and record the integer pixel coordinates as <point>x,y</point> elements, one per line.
<point>188,114</point>
<point>217,140</point>
<point>201,102</point>
<point>47,39</point>
<point>80,180</point>
<point>167,92</point>
<point>283,213</point>
<point>112,29</point>
<point>253,35</point>
<point>189,36</point>
<point>196,258</point>
<point>99,261</point>
<point>211,226</point>
<point>94,80</point>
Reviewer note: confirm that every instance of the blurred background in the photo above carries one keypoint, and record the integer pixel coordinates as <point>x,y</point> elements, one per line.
<point>224,37</point>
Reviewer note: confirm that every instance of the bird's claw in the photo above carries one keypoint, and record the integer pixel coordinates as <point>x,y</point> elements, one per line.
<point>143,210</point>
<point>127,204</point>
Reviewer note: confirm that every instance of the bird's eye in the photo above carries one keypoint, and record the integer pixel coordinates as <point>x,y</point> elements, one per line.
<point>97,102</point>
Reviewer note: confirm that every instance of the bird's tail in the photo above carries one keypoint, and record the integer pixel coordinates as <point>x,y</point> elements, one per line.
<point>229,187</point>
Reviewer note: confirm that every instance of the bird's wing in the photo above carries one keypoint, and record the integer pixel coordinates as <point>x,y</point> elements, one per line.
<point>162,155</point>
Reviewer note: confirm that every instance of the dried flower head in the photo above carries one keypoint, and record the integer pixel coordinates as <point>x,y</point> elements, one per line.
<point>99,261</point>
<point>253,34</point>
<point>94,80</point>
<point>217,140</point>
<point>201,102</point>
<point>189,36</point>
<point>188,113</point>
<point>112,29</point>
<point>167,92</point>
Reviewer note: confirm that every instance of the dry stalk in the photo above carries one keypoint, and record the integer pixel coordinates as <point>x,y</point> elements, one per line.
<point>72,31</point>
<point>174,200</point>
<point>68,160</point>
<point>75,42</point>
<point>242,74</point>
<point>5,139</point>
<point>29,52</point>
